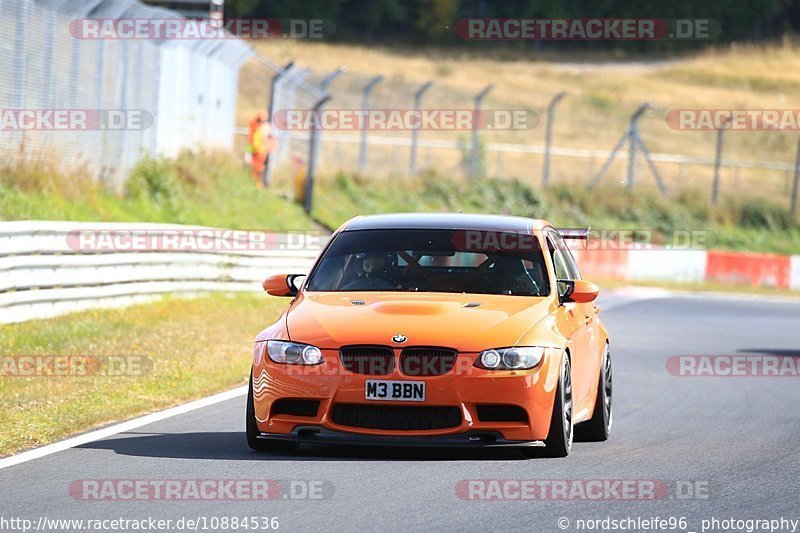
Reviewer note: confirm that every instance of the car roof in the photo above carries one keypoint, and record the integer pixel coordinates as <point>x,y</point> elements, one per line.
<point>454,221</point>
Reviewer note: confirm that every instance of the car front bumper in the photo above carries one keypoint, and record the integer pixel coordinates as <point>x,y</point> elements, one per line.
<point>465,387</point>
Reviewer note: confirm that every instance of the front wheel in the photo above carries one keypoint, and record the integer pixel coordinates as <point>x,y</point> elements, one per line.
<point>598,428</point>
<point>252,430</point>
<point>559,439</point>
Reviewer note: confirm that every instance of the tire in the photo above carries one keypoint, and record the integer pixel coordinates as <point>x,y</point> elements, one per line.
<point>598,428</point>
<point>261,445</point>
<point>559,439</point>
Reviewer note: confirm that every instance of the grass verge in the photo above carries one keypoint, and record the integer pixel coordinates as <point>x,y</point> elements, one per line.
<point>215,190</point>
<point>197,347</point>
<point>209,189</point>
<point>736,224</point>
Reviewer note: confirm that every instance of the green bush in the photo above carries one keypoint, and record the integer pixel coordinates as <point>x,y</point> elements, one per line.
<point>155,180</point>
<point>762,214</point>
<point>754,225</point>
<point>205,188</point>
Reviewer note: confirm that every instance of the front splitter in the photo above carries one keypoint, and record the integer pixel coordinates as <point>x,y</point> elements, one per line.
<point>470,439</point>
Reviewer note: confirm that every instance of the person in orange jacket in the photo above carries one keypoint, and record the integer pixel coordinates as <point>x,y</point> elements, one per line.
<point>261,143</point>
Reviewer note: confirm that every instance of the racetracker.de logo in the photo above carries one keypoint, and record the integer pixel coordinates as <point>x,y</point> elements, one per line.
<point>581,489</point>
<point>734,119</point>
<point>56,366</point>
<point>734,366</point>
<point>494,241</point>
<point>75,119</point>
<point>200,489</point>
<point>404,119</point>
<point>190,240</point>
<point>172,29</point>
<point>597,239</point>
<point>588,29</point>
<point>177,29</point>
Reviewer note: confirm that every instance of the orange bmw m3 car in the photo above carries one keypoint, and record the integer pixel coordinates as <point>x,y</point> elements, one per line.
<point>435,330</point>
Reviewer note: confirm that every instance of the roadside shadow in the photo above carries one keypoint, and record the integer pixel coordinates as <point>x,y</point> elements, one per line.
<point>231,446</point>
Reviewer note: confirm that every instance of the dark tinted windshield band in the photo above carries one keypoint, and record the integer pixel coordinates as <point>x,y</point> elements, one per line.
<point>425,260</point>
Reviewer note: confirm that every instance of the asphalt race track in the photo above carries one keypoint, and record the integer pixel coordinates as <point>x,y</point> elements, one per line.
<point>724,447</point>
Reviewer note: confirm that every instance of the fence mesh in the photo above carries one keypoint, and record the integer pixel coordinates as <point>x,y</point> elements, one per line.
<point>189,88</point>
<point>581,147</point>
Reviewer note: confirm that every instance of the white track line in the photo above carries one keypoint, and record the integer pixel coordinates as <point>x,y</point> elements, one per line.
<point>120,428</point>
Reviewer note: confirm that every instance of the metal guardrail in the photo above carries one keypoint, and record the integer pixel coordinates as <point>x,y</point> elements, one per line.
<point>42,276</point>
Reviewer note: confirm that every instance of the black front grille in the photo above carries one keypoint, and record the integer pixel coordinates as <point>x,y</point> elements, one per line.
<point>391,417</point>
<point>501,413</point>
<point>421,361</point>
<point>295,407</point>
<point>369,360</point>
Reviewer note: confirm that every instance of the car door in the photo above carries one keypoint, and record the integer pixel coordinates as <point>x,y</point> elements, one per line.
<point>580,317</point>
<point>590,310</point>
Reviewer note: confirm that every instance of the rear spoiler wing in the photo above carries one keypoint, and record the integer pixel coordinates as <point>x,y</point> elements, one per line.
<point>574,233</point>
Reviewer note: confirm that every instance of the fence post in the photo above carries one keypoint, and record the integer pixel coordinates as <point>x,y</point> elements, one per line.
<point>796,184</point>
<point>635,140</point>
<point>415,131</point>
<point>323,85</point>
<point>633,135</point>
<point>548,136</point>
<point>362,152</point>
<point>473,158</point>
<point>717,163</point>
<point>631,174</point>
<point>328,79</point>
<point>312,156</point>
<point>267,174</point>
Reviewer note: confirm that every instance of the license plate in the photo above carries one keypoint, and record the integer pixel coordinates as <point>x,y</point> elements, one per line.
<point>411,391</point>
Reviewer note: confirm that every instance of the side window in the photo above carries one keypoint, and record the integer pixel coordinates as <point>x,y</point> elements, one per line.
<point>569,259</point>
<point>559,264</point>
<point>563,261</point>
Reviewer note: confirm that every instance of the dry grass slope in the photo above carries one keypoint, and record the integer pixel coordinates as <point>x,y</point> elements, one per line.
<point>197,347</point>
<point>602,95</point>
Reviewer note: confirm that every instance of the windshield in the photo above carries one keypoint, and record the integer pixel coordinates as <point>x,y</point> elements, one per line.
<point>432,261</point>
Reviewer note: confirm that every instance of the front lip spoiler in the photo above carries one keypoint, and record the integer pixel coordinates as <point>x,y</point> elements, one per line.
<point>470,439</point>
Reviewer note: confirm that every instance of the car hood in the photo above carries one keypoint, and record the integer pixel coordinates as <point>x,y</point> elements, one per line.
<point>334,319</point>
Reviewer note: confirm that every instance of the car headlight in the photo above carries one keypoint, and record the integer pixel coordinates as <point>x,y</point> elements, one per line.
<point>516,358</point>
<point>292,353</point>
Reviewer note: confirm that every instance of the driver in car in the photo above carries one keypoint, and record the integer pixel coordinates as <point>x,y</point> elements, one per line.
<point>374,264</point>
<point>376,272</point>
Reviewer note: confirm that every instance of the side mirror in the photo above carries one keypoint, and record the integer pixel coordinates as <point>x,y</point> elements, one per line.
<point>578,291</point>
<point>283,284</point>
